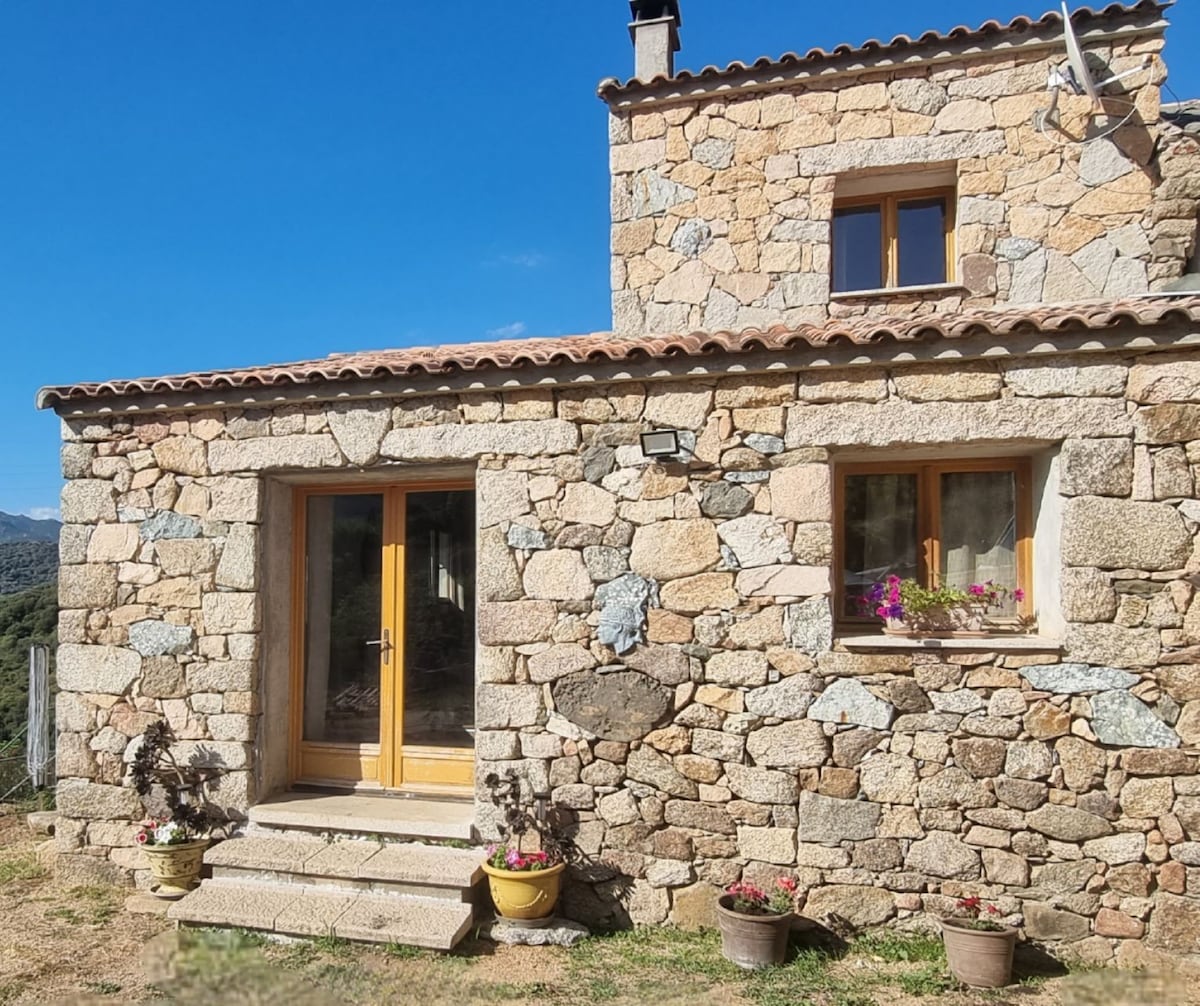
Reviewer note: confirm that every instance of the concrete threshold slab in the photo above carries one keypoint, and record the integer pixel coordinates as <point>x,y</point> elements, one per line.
<point>412,921</point>
<point>354,813</point>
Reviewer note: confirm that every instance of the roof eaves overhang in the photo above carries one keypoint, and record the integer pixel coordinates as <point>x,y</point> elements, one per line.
<point>1023,35</point>
<point>1175,325</point>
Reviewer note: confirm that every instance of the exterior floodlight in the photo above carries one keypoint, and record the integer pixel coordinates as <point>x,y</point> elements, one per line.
<point>660,443</point>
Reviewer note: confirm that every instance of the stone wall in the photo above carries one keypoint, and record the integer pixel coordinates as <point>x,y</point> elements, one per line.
<point>740,738</point>
<point>721,206</point>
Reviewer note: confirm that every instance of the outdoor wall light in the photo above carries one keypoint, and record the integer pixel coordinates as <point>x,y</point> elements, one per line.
<point>660,444</point>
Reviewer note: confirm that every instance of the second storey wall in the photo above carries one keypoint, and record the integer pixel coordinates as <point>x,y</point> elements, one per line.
<point>722,206</point>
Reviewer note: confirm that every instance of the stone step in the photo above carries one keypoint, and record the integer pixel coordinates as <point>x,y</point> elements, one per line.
<point>364,816</point>
<point>354,865</point>
<point>307,911</point>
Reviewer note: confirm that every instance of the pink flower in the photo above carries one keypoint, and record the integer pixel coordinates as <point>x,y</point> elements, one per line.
<point>1018,595</point>
<point>786,884</point>
<point>977,590</point>
<point>141,838</point>
<point>513,859</point>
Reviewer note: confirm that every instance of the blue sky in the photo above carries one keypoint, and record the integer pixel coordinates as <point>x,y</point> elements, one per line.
<point>190,186</point>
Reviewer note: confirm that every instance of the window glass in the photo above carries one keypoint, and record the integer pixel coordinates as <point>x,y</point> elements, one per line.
<point>858,248</point>
<point>921,232</point>
<point>979,530</point>
<point>343,584</point>
<point>880,535</point>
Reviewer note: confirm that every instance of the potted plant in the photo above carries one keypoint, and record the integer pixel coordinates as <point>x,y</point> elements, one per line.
<point>979,947</point>
<point>910,609</point>
<point>754,924</point>
<point>524,881</point>
<point>524,885</point>
<point>173,843</point>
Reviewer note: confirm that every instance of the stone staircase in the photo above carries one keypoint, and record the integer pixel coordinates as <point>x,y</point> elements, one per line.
<point>300,873</point>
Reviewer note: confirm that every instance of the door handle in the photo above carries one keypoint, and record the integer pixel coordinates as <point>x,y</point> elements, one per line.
<point>384,644</point>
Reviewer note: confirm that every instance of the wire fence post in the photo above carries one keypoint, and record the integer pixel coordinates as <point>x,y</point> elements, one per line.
<point>37,738</point>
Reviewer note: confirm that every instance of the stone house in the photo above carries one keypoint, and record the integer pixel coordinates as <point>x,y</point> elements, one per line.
<point>890,317</point>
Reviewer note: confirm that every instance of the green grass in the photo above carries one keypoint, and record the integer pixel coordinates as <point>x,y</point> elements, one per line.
<point>332,945</point>
<point>20,868</point>
<point>403,952</point>
<point>930,980</point>
<point>896,948</point>
<point>102,988</point>
<point>647,965</point>
<point>93,906</point>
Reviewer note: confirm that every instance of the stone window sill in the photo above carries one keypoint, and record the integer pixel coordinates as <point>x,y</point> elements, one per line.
<point>899,291</point>
<point>999,643</point>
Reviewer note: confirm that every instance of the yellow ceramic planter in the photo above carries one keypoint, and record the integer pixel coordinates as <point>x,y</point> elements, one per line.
<point>524,894</point>
<point>175,868</point>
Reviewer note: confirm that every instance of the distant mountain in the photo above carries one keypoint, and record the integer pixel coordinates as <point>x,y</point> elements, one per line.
<point>14,527</point>
<point>25,564</point>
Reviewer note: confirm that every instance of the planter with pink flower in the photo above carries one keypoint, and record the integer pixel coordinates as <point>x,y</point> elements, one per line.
<point>175,856</point>
<point>173,842</point>
<point>755,924</point>
<point>979,946</point>
<point>525,868</point>
<point>908,608</point>
<point>524,885</point>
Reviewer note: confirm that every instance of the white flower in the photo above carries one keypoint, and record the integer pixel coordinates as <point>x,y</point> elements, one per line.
<point>167,833</point>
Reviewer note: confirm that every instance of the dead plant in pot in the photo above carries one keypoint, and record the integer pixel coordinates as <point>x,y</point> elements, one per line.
<point>173,841</point>
<point>755,924</point>
<point>979,946</point>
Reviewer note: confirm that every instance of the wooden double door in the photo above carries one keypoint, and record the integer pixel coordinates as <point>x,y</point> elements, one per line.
<point>384,643</point>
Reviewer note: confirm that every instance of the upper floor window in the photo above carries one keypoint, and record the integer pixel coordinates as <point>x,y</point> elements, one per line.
<point>894,240</point>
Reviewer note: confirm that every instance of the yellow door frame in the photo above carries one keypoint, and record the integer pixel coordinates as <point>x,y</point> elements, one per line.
<point>388,764</point>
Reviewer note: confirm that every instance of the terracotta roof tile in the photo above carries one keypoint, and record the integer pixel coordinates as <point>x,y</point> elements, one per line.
<point>873,47</point>
<point>607,348</point>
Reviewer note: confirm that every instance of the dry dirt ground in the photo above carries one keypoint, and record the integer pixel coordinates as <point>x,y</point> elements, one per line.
<point>78,945</point>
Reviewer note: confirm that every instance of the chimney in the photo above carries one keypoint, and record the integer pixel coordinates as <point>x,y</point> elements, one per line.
<point>655,34</point>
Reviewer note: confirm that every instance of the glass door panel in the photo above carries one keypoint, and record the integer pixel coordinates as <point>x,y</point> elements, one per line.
<point>439,619</point>
<point>343,599</point>
<point>384,679</point>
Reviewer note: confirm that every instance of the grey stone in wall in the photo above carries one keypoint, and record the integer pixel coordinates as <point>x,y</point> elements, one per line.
<point>169,525</point>
<point>828,820</point>
<point>1121,719</point>
<point>1123,534</point>
<point>1076,679</point>
<point>520,536</point>
<point>153,639</point>
<point>654,195</point>
<point>848,701</point>
<point>809,625</point>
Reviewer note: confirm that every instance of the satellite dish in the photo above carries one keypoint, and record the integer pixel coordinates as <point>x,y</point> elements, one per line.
<point>1079,68</point>
<point>1077,76</point>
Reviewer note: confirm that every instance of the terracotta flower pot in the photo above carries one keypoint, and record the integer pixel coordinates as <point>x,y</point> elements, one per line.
<point>979,957</point>
<point>897,627</point>
<point>175,868</point>
<point>525,895</point>
<point>752,941</point>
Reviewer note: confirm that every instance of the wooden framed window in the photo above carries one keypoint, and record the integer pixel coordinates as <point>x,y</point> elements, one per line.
<point>892,241</point>
<point>951,523</point>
